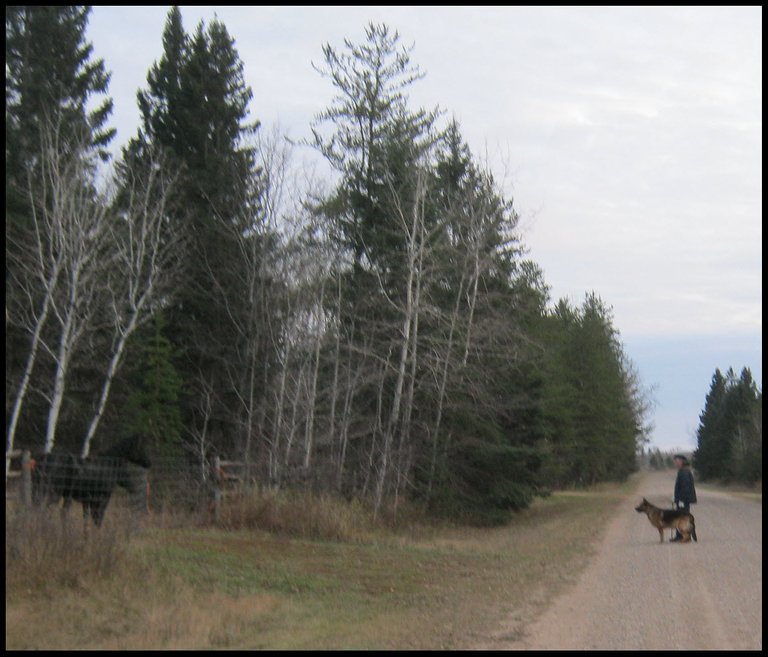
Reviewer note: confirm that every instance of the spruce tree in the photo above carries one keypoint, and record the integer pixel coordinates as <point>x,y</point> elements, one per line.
<point>152,407</point>
<point>161,105</point>
<point>593,428</point>
<point>711,433</point>
<point>745,435</point>
<point>49,69</point>
<point>432,288</point>
<point>491,461</point>
<point>50,78</point>
<point>195,106</point>
<point>730,429</point>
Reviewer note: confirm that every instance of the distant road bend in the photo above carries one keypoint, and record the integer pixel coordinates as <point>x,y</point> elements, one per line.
<point>640,594</point>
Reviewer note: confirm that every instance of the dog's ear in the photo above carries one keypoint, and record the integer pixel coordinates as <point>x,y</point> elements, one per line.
<point>644,500</point>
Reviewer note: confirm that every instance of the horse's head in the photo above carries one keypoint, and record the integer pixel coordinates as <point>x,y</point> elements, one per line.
<point>128,478</point>
<point>132,450</point>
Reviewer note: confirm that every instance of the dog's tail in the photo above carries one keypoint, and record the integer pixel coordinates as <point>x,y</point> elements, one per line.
<point>693,530</point>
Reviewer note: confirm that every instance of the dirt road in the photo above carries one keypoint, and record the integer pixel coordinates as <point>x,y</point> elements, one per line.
<point>640,594</point>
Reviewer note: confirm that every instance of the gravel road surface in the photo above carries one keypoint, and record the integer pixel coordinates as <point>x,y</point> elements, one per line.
<point>640,594</point>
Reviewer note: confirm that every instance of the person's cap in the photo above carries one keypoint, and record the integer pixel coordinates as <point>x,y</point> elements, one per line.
<point>682,457</point>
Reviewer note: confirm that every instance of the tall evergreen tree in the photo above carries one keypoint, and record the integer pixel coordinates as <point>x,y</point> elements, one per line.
<point>371,128</point>
<point>49,70</point>
<point>746,440</point>
<point>196,107</point>
<point>475,278</point>
<point>51,77</point>
<point>161,104</point>
<point>730,429</point>
<point>712,450</point>
<point>431,290</point>
<point>593,428</point>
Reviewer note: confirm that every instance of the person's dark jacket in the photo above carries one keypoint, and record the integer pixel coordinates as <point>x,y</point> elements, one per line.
<point>684,488</point>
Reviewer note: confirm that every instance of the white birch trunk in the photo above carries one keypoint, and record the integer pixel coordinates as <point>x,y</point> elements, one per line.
<point>408,321</point>
<point>114,363</point>
<point>309,435</point>
<point>24,384</point>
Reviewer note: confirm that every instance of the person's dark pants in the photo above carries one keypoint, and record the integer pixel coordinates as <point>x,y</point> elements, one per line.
<point>683,506</point>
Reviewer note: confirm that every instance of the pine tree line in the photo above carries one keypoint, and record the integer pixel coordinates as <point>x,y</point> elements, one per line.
<point>657,460</point>
<point>382,336</point>
<point>730,432</point>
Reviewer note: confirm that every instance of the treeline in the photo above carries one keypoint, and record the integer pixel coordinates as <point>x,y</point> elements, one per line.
<point>656,459</point>
<point>730,432</point>
<point>379,333</point>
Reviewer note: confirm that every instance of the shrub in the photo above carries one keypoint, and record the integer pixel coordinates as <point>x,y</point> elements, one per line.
<point>301,514</point>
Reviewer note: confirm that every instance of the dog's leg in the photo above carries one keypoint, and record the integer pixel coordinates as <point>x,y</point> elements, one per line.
<point>661,535</point>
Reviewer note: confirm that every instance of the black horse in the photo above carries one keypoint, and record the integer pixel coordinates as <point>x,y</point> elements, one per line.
<point>89,481</point>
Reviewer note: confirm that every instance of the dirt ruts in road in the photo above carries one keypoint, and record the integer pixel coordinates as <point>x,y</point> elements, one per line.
<point>640,594</point>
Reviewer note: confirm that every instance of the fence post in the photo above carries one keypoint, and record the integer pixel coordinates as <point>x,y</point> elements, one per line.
<point>216,488</point>
<point>26,478</point>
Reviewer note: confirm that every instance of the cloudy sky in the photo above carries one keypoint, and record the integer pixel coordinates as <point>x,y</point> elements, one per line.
<point>629,138</point>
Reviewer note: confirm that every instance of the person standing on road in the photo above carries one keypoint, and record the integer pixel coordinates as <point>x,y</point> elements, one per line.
<point>685,491</point>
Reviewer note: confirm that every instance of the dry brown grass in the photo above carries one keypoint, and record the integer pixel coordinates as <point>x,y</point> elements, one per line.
<point>143,609</point>
<point>256,585</point>
<point>70,585</point>
<point>299,514</point>
<point>45,550</point>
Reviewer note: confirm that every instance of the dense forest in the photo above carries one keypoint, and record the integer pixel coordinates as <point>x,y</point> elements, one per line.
<point>379,333</point>
<point>730,433</point>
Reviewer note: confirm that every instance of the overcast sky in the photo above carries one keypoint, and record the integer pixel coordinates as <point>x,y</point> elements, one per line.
<point>629,138</point>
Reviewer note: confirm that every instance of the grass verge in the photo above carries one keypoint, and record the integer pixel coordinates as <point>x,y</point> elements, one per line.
<point>754,492</point>
<point>425,586</point>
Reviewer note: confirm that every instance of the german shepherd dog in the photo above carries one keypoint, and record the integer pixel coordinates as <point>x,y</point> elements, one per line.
<point>662,519</point>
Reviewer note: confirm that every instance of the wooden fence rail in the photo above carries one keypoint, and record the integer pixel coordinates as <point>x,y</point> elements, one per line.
<point>223,479</point>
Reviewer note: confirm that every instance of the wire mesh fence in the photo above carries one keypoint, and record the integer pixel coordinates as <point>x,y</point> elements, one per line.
<point>170,486</point>
<point>177,485</point>
<point>62,478</point>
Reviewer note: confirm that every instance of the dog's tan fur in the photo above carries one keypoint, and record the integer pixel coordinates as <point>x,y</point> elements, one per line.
<point>662,519</point>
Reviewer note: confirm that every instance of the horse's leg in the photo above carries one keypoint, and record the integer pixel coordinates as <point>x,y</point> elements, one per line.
<point>86,506</point>
<point>65,507</point>
<point>90,510</point>
<point>99,509</point>
<point>97,513</point>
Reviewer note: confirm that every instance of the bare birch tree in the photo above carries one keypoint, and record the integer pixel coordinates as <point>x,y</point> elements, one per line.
<point>68,255</point>
<point>87,265</point>
<point>144,264</point>
<point>35,278</point>
<point>412,227</point>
